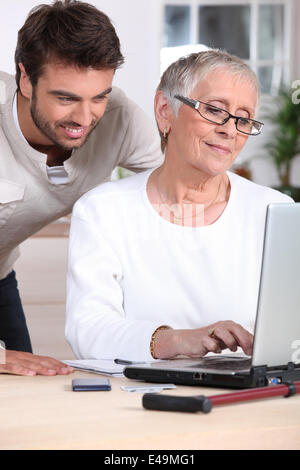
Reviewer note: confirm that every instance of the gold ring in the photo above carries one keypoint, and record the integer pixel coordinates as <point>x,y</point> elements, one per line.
<point>211,332</point>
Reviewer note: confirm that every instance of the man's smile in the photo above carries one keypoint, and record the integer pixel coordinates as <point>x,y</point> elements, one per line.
<point>74,132</point>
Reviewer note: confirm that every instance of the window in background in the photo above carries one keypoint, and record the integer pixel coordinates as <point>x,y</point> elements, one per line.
<point>270,46</point>
<point>177,36</point>
<point>226,27</point>
<point>256,31</point>
<point>177,25</point>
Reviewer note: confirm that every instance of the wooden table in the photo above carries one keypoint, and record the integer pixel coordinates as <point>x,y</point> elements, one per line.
<point>44,413</point>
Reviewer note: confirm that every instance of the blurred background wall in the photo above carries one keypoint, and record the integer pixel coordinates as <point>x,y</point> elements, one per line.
<point>265,33</point>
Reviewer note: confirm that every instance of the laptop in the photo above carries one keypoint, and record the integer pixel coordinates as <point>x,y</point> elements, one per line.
<point>276,349</point>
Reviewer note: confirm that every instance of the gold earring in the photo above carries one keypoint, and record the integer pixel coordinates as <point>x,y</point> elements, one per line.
<point>165,133</point>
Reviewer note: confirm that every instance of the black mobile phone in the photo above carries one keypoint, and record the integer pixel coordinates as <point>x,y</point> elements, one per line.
<point>89,385</point>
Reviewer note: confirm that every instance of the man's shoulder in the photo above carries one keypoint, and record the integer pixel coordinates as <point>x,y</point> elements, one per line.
<point>118,100</point>
<point>7,83</point>
<point>120,113</point>
<point>129,111</point>
<point>6,77</point>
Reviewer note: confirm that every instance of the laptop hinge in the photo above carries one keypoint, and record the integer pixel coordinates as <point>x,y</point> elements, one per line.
<point>258,370</point>
<point>261,370</point>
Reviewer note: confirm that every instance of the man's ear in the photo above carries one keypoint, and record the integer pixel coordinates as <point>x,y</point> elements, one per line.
<point>25,83</point>
<point>163,112</point>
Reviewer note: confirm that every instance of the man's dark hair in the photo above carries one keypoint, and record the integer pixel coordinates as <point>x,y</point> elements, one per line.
<point>72,32</point>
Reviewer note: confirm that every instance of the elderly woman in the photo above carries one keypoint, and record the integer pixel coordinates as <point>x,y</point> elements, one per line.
<point>167,262</point>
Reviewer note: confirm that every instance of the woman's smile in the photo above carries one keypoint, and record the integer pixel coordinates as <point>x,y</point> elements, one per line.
<point>221,149</point>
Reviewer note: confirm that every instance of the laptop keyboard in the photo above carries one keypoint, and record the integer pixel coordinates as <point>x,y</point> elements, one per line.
<point>224,363</point>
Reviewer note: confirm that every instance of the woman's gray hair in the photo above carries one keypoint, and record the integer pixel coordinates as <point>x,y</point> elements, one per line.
<point>182,76</point>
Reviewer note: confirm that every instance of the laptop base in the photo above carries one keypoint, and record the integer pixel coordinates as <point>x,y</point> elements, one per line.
<point>260,376</point>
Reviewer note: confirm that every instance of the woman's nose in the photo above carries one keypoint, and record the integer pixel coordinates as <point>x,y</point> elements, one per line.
<point>229,128</point>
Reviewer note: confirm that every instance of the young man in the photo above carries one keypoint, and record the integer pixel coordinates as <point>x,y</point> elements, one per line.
<point>63,129</point>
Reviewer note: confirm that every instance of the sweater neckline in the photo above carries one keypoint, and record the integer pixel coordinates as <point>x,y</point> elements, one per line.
<point>219,222</point>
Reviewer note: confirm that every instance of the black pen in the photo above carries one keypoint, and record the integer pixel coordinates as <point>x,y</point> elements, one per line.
<point>124,362</point>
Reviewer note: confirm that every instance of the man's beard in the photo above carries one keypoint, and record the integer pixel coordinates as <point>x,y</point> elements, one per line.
<point>49,131</point>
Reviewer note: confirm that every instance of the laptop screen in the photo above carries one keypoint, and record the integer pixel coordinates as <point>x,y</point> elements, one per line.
<point>277,328</point>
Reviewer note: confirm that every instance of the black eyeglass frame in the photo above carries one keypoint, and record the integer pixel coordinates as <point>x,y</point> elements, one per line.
<point>195,105</point>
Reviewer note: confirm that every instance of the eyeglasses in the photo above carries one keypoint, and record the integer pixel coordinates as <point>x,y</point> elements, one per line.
<point>220,116</point>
